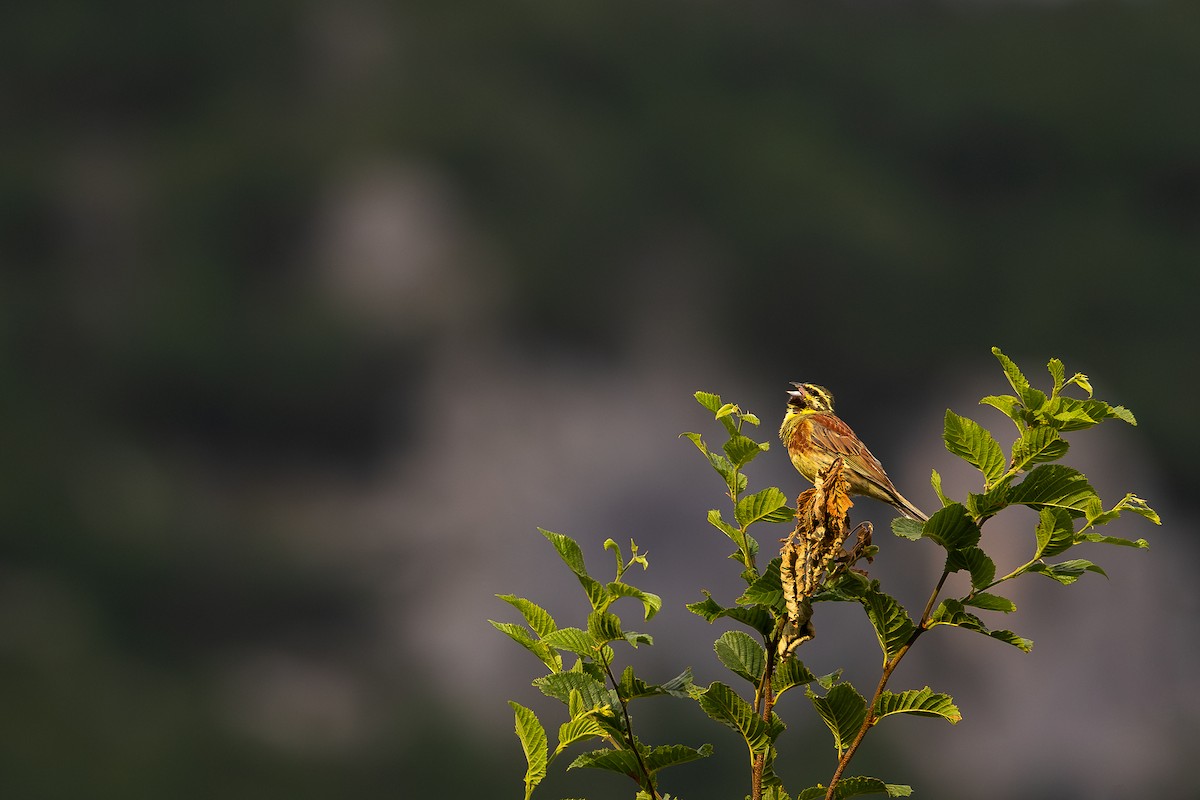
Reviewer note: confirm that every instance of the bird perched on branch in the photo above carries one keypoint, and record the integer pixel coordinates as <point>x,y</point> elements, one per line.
<point>815,436</point>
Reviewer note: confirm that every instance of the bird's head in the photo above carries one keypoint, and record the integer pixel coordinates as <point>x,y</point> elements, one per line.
<point>809,397</point>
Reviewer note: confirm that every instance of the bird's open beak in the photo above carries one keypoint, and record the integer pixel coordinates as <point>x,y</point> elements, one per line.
<point>797,395</point>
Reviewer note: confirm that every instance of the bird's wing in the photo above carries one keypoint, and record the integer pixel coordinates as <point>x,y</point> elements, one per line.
<point>835,436</point>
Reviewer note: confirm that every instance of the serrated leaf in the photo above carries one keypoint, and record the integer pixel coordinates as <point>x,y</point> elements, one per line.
<point>1008,405</point>
<point>843,710</point>
<point>632,687</point>
<point>622,762</point>
<point>908,528</point>
<point>922,702</point>
<point>651,603</point>
<point>539,619</point>
<point>935,480</point>
<point>723,704</point>
<point>539,648</point>
<point>753,420</point>
<point>970,441</point>
<point>593,694</point>
<point>991,602</point>
<point>991,502</point>
<point>1067,572</point>
<point>572,556</point>
<point>1124,414</point>
<point>952,527</point>
<point>768,505</point>
<point>741,450</point>
<point>753,616</point>
<point>741,655</point>
<point>856,786</point>
<point>574,640</point>
<point>534,743</point>
<point>951,612</point>
<point>577,730</point>
<point>670,755</point>
<point>1015,379</point>
<point>766,590</point>
<point>604,626</point>
<point>1056,486</point>
<point>1095,537</point>
<point>1037,445</point>
<point>976,562</point>
<point>789,674</point>
<point>893,627</point>
<point>1055,532</point>
<point>1058,372</point>
<point>709,400</point>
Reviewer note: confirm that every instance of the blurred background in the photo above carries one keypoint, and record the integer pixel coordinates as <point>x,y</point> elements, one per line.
<point>311,312</point>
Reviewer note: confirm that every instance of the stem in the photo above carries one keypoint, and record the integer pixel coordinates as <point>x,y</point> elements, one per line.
<point>649,784</point>
<point>888,669</point>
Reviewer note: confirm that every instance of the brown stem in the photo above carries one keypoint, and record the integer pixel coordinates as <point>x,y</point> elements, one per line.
<point>888,669</point>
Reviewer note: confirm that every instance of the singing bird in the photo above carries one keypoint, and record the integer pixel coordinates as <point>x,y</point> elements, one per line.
<point>815,436</point>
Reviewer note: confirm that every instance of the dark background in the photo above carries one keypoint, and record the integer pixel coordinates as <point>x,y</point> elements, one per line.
<point>311,312</point>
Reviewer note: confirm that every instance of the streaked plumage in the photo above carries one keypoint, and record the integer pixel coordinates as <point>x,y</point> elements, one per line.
<point>815,436</point>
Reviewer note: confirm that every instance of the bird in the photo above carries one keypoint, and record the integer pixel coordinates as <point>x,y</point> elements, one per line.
<point>815,436</point>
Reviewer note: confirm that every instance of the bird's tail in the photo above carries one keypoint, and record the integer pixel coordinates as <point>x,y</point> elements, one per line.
<point>908,509</point>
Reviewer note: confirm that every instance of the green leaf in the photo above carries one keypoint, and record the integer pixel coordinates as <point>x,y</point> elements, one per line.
<point>935,479</point>
<point>521,636</point>
<point>976,562</point>
<point>991,502</point>
<point>577,730</point>
<point>1130,502</point>
<point>1058,372</point>
<point>1056,486</point>
<point>669,755</point>
<point>790,673</point>
<point>722,703</point>
<point>604,626</point>
<point>922,702</point>
<point>766,590</point>
<point>741,450</point>
<point>534,743</point>
<point>769,505</point>
<point>1016,380</point>
<point>755,617</point>
<point>593,694</point>
<point>893,627</point>
<point>709,400</point>
<point>951,612</point>
<point>970,441</point>
<point>742,655</point>
<point>726,410</point>
<point>843,710</point>
<point>952,527</point>
<point>651,603</point>
<point>990,602</point>
<point>622,762</point>
<point>538,618</point>
<point>1095,537</point>
<point>577,641</point>
<point>572,556</point>
<point>1055,532</point>
<point>908,528</point>
<point>568,550</point>
<point>856,787</point>
<point>1124,414</point>
<point>1037,445</point>
<point>1067,572</point>
<point>1008,405</point>
<point>632,687</point>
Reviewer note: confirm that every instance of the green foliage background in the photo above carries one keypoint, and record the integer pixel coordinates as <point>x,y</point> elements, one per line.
<point>246,458</point>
